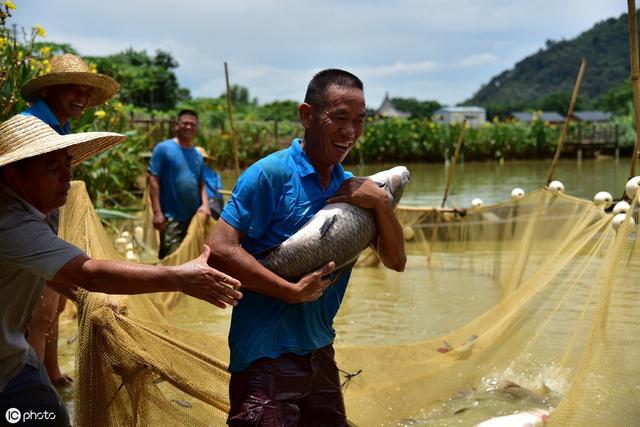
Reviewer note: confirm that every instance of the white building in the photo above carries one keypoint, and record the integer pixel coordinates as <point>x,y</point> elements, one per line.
<point>475,116</point>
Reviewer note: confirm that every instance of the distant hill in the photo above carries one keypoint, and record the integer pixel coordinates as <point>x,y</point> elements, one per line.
<point>552,70</point>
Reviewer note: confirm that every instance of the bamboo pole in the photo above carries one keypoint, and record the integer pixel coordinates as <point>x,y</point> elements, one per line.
<point>452,169</point>
<point>565,128</point>
<point>635,79</point>
<point>234,135</point>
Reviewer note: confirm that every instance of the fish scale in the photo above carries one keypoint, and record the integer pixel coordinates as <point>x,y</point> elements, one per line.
<point>339,232</point>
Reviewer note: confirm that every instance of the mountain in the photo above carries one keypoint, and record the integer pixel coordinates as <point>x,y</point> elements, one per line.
<point>552,71</point>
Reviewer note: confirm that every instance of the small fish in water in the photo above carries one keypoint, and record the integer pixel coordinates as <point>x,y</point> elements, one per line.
<point>532,418</point>
<point>446,347</point>
<point>463,351</point>
<point>182,403</point>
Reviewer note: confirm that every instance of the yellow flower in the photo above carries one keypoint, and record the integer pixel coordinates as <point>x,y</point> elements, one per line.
<point>93,67</point>
<point>9,5</point>
<point>100,114</point>
<point>40,31</point>
<point>3,41</point>
<point>45,51</point>
<point>118,106</point>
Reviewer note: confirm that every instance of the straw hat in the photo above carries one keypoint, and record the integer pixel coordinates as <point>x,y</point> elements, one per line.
<point>204,153</point>
<point>71,69</point>
<point>24,136</point>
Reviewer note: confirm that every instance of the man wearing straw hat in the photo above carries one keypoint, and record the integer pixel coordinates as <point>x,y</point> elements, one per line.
<point>35,175</point>
<point>213,184</point>
<point>176,184</point>
<point>63,93</point>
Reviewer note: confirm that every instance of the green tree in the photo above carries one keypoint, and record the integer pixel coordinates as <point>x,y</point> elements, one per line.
<point>145,81</point>
<point>559,102</point>
<point>279,110</point>
<point>418,109</point>
<point>618,100</point>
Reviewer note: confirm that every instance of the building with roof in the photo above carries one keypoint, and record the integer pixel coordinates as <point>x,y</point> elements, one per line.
<point>475,116</point>
<point>592,116</point>
<point>545,116</point>
<point>387,109</point>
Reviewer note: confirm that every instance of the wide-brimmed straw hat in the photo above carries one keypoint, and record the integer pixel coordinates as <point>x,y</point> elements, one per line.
<point>24,136</point>
<point>204,153</point>
<point>71,69</point>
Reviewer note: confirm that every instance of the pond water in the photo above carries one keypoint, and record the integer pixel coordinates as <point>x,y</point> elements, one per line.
<point>493,181</point>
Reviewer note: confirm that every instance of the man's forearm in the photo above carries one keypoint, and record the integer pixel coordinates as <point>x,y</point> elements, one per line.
<point>390,243</point>
<point>204,196</point>
<point>253,275</point>
<point>115,277</point>
<point>154,194</point>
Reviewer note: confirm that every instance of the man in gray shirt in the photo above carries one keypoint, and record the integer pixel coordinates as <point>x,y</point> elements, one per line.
<point>35,175</point>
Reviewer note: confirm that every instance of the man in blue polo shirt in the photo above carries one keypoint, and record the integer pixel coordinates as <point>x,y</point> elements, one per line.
<point>63,93</point>
<point>282,360</point>
<point>176,183</point>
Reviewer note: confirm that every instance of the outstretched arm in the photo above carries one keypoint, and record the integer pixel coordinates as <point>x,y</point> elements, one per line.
<point>193,278</point>
<point>364,193</point>
<point>229,256</point>
<point>154,193</point>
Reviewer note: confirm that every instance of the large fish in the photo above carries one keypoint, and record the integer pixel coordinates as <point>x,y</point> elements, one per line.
<point>338,232</point>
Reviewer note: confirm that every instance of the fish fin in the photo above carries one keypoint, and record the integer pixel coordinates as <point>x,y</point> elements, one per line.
<point>328,222</point>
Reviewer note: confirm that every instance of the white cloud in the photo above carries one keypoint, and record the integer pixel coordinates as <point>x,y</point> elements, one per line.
<point>431,49</point>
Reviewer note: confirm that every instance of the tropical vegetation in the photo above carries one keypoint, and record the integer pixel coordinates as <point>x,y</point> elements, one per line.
<point>150,97</point>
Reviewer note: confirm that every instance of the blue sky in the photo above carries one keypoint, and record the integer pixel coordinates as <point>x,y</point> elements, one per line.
<point>427,49</point>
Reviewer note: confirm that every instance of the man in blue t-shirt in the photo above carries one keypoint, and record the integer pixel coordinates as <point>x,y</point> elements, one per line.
<point>176,179</point>
<point>282,360</point>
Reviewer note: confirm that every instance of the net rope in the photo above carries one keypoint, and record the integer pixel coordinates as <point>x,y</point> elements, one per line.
<point>562,337</point>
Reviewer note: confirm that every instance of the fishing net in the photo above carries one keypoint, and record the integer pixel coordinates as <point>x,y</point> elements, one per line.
<point>561,334</point>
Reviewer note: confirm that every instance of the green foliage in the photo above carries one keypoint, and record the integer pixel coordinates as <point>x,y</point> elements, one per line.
<point>618,100</point>
<point>279,110</point>
<point>21,59</point>
<point>240,96</point>
<point>112,177</point>
<point>418,109</point>
<point>553,70</point>
<point>145,81</point>
<point>421,140</point>
<point>559,102</point>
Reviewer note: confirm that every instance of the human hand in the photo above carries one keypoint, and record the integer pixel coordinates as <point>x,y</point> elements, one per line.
<point>362,192</point>
<point>312,286</point>
<point>208,284</point>
<point>204,209</point>
<point>158,221</point>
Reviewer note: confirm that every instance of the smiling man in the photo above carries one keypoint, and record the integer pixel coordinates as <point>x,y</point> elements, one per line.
<point>63,93</point>
<point>35,173</point>
<point>282,366</point>
<point>176,184</point>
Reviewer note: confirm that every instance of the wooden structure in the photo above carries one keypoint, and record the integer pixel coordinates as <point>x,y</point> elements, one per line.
<point>387,109</point>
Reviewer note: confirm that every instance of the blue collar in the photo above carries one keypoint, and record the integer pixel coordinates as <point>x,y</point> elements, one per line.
<point>41,110</point>
<point>305,168</point>
<point>300,157</point>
